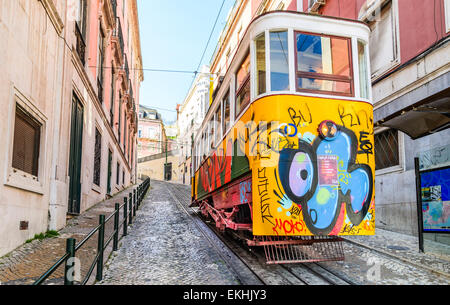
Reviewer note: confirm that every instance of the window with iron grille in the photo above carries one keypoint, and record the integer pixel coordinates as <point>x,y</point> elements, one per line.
<point>100,60</point>
<point>118,174</point>
<point>27,135</point>
<point>97,157</point>
<point>386,149</point>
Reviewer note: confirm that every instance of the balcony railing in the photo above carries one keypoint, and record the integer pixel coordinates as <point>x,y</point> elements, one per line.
<point>127,69</point>
<point>114,7</point>
<point>100,90</point>
<point>81,45</point>
<point>119,34</point>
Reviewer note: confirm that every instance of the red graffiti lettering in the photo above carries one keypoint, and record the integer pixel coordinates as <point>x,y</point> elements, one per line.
<point>288,226</point>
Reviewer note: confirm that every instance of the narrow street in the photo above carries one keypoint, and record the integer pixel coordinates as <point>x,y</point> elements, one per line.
<point>167,246</point>
<point>164,247</point>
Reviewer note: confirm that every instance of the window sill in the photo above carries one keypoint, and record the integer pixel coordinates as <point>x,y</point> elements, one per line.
<point>389,170</point>
<point>96,188</point>
<point>24,181</point>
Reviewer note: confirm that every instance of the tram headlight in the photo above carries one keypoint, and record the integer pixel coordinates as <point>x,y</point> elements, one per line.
<point>328,130</point>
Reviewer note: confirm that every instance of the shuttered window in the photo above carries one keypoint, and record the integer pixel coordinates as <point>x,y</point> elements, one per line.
<point>27,135</point>
<point>97,156</point>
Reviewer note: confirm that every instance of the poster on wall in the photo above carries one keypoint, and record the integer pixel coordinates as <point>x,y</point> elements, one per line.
<point>435,191</point>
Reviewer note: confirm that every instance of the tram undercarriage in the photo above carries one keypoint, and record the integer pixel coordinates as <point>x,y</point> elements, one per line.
<point>235,216</point>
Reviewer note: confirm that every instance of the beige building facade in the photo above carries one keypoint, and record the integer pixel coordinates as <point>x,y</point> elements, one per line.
<point>70,105</point>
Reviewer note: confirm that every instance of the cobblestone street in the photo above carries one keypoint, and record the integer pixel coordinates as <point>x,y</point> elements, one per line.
<point>164,247</point>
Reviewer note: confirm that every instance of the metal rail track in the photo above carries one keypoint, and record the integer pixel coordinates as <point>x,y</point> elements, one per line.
<point>249,265</point>
<point>244,274</point>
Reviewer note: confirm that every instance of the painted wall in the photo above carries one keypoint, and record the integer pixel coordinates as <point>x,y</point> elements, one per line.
<point>32,56</point>
<point>154,168</point>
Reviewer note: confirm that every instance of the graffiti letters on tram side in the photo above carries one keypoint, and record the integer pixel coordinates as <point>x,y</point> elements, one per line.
<point>288,226</point>
<point>301,117</point>
<point>263,191</point>
<point>365,146</point>
<point>350,118</point>
<point>216,171</point>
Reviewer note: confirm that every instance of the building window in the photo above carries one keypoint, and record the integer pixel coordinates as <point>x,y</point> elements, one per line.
<point>119,126</point>
<point>97,157</point>
<point>27,137</point>
<point>279,62</point>
<point>113,93</point>
<point>447,15</point>
<point>118,174</point>
<point>387,149</point>
<point>100,60</point>
<point>382,21</point>
<point>323,64</point>
<point>80,30</point>
<point>243,85</point>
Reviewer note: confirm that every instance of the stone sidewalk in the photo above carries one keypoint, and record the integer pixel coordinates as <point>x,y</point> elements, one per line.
<point>406,248</point>
<point>28,262</point>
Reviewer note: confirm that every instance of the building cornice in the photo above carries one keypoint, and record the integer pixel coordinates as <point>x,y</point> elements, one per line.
<point>53,14</point>
<point>136,36</point>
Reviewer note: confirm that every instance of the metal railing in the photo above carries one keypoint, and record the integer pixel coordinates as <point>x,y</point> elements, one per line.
<point>131,204</point>
<point>117,32</point>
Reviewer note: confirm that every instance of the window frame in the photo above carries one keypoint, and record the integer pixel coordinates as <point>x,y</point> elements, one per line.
<point>322,76</point>
<point>268,59</point>
<point>15,177</point>
<point>447,15</point>
<point>226,100</point>
<point>36,125</point>
<point>401,149</point>
<point>376,74</point>
<point>99,164</point>
<point>218,124</point>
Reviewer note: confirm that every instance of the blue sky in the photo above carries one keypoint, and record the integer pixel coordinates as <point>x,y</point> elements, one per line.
<point>173,37</point>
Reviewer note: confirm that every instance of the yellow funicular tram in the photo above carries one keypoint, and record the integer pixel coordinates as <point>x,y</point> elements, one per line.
<point>284,158</point>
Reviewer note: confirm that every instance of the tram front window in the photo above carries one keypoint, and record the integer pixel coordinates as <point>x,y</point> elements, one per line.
<point>323,64</point>
<point>279,61</point>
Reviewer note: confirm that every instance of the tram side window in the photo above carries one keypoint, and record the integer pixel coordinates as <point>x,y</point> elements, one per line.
<point>218,124</point>
<point>243,85</point>
<point>203,151</point>
<point>363,78</point>
<point>226,112</point>
<point>211,134</point>
<point>279,61</point>
<point>323,64</point>
<point>261,64</point>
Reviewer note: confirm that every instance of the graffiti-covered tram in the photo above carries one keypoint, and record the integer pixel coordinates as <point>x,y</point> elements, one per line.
<point>285,154</point>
